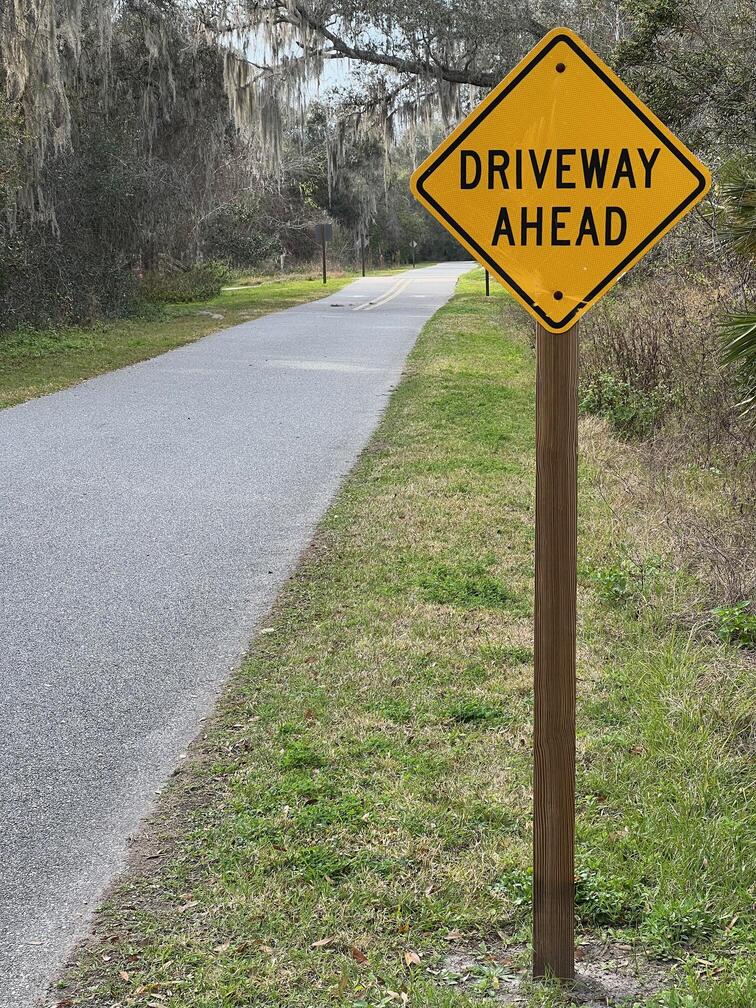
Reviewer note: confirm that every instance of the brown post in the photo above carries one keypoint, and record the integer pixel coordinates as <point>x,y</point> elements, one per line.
<point>362,254</point>
<point>488,284</point>
<point>554,704</point>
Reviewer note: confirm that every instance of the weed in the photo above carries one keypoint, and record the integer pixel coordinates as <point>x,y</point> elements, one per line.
<point>317,862</point>
<point>736,624</point>
<point>605,902</point>
<point>678,922</point>
<point>626,580</point>
<point>516,884</point>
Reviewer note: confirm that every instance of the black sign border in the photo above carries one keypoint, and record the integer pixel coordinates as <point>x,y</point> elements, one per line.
<point>648,240</point>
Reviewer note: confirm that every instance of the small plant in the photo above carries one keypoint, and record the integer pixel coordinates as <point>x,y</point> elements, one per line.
<point>674,999</point>
<point>677,923</point>
<point>615,584</point>
<point>736,624</point>
<point>606,902</point>
<point>517,885</point>
<point>630,411</point>
<point>626,580</point>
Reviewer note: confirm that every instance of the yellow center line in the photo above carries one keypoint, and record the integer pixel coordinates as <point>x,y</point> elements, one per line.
<point>385,298</point>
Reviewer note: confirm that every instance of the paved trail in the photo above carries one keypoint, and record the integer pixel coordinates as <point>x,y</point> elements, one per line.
<point>148,518</point>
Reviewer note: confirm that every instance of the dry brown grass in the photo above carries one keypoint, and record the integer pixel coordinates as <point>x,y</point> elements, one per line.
<point>692,494</point>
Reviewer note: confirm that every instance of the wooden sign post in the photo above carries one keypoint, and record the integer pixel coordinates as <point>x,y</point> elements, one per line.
<point>558,183</point>
<point>323,234</point>
<point>554,653</point>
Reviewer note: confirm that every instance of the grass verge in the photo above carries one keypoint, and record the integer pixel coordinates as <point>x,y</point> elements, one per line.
<point>37,362</point>
<point>357,813</point>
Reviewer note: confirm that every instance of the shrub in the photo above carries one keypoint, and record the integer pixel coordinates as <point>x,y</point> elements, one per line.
<point>632,412</point>
<point>192,283</point>
<point>651,353</point>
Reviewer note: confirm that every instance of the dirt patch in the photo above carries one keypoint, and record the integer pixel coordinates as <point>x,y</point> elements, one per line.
<point>609,975</point>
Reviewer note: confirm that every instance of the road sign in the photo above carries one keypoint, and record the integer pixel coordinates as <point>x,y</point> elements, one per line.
<point>323,232</point>
<point>558,183</point>
<point>560,180</point>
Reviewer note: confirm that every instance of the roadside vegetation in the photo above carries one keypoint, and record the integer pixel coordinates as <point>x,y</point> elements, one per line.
<point>353,827</point>
<point>652,367</point>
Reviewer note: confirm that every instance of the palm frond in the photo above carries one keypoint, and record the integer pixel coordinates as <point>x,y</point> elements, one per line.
<point>739,348</point>
<point>737,195</point>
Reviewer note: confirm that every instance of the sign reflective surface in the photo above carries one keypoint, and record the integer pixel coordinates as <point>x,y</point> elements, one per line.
<point>560,180</point>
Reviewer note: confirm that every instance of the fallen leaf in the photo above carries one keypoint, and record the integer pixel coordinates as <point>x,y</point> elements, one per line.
<point>322,942</point>
<point>411,958</point>
<point>453,936</point>
<point>223,947</point>
<point>188,906</point>
<point>267,949</point>
<point>124,975</point>
<point>358,955</point>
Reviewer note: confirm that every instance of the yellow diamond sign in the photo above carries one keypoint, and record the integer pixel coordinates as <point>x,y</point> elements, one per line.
<point>560,180</point>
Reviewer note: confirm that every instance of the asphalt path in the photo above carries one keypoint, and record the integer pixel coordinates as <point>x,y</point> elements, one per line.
<point>148,517</point>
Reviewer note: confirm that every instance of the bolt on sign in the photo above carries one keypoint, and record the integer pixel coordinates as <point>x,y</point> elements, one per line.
<point>557,183</point>
<point>560,180</point>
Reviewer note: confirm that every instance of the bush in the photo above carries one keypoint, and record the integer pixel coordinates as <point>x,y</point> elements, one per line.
<point>651,356</point>
<point>630,411</point>
<point>192,283</point>
<point>651,365</point>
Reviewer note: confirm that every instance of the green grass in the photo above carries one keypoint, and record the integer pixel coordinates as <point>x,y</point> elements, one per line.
<point>364,790</point>
<point>36,362</point>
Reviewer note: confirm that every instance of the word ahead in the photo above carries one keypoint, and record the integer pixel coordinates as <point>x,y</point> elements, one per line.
<point>560,180</point>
